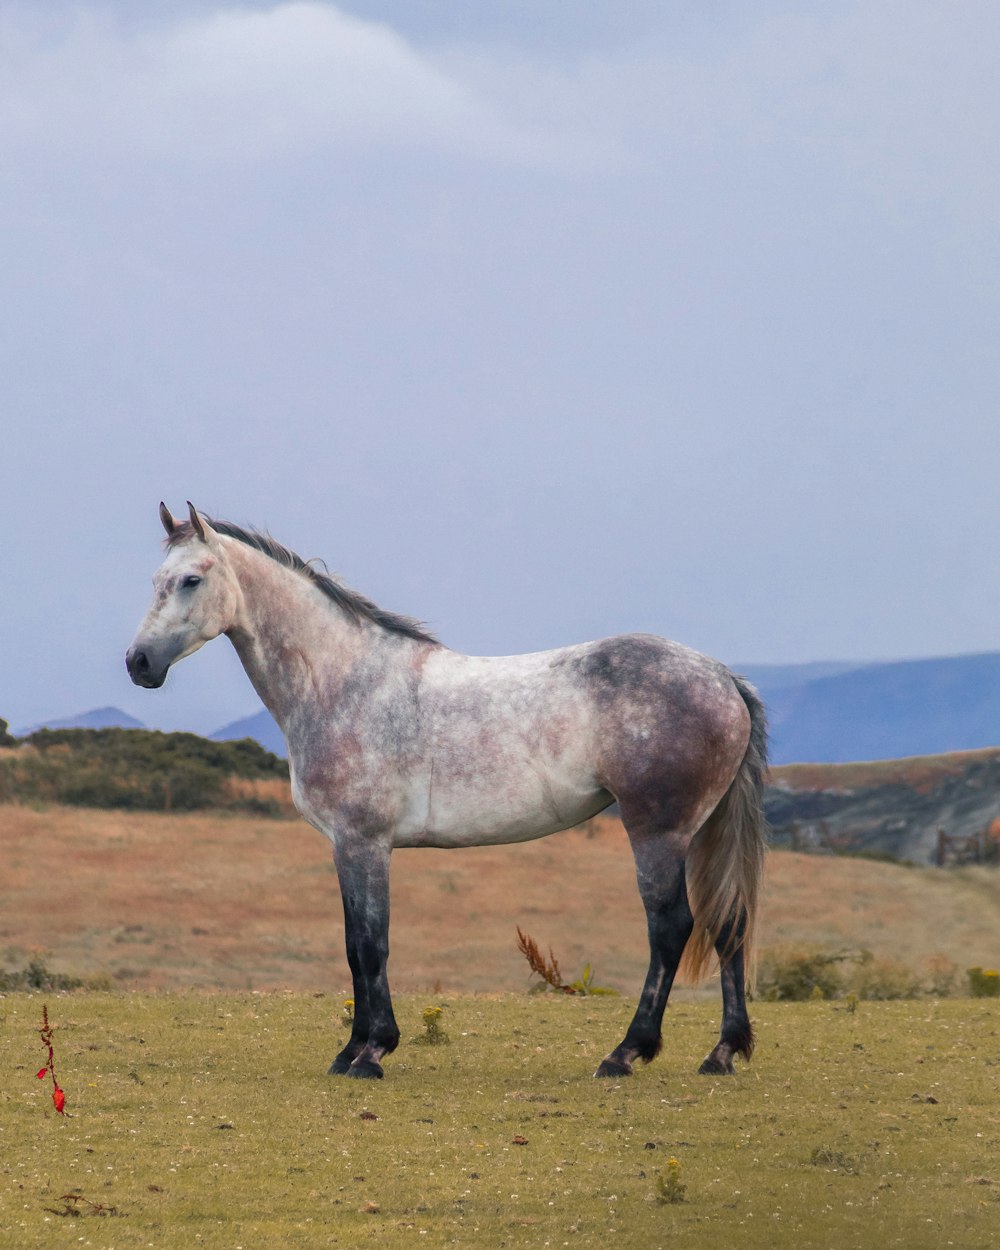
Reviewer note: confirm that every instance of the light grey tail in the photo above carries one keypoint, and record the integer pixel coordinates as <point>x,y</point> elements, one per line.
<point>725,863</point>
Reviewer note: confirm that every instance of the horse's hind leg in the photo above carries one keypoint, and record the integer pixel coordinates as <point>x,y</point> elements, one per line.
<point>660,872</point>
<point>736,1034</point>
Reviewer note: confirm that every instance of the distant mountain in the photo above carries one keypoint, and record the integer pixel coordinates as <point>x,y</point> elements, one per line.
<point>881,711</point>
<point>99,718</point>
<point>261,727</point>
<point>781,676</point>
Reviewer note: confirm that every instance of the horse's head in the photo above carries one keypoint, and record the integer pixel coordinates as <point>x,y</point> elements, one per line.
<point>195,598</point>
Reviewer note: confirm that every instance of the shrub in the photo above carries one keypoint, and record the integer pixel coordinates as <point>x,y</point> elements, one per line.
<point>984,983</point>
<point>798,973</point>
<point>35,976</point>
<point>144,747</point>
<point>941,974</point>
<point>884,979</point>
<point>143,770</point>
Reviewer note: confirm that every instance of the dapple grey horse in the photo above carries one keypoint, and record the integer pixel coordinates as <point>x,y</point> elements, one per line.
<point>396,740</point>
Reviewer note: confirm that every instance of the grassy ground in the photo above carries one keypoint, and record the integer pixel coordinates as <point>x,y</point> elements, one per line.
<point>207,1121</point>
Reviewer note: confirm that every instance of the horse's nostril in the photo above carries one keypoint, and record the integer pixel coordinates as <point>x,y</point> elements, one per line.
<point>137,663</point>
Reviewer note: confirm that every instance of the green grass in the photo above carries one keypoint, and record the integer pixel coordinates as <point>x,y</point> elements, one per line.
<point>208,1121</point>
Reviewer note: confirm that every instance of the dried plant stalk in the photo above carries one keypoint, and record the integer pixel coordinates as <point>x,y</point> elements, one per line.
<point>547,969</point>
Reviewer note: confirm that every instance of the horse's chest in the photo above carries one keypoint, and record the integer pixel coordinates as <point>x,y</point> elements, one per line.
<point>340,785</point>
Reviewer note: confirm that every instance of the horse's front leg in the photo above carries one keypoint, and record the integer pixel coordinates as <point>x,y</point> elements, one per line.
<point>363,870</point>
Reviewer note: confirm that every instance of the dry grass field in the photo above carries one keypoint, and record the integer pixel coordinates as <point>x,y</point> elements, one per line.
<point>212,901</point>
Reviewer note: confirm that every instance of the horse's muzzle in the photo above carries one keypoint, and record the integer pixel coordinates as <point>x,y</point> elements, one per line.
<point>143,671</point>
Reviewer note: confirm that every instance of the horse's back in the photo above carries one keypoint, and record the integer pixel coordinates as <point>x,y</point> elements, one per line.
<point>628,679</point>
<point>631,695</point>
<point>645,668</point>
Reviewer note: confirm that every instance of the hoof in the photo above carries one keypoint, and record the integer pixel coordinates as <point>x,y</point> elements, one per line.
<point>612,1069</point>
<point>365,1070</point>
<point>339,1067</point>
<point>715,1067</point>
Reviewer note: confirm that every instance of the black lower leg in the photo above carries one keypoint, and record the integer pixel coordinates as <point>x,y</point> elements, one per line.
<point>382,1032</point>
<point>364,882</point>
<point>360,1025</point>
<point>736,1033</point>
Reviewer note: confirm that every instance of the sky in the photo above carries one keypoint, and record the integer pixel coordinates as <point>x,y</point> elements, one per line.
<point>537,321</point>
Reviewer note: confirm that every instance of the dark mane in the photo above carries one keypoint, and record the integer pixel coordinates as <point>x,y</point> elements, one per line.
<point>356,605</point>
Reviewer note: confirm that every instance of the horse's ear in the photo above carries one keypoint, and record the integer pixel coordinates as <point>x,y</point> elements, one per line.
<point>166,520</point>
<point>197,524</point>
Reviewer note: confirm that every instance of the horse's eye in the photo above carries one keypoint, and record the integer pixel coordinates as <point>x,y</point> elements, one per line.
<point>191,581</point>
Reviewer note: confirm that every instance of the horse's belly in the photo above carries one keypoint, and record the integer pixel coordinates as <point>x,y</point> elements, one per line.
<point>467,820</point>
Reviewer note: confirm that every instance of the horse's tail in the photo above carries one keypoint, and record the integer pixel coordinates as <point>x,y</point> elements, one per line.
<point>725,863</point>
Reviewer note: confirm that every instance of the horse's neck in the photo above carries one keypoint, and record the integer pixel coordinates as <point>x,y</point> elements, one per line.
<point>290,638</point>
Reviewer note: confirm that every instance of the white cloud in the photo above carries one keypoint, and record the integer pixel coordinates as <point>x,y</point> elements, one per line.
<point>237,85</point>
<point>898,100</point>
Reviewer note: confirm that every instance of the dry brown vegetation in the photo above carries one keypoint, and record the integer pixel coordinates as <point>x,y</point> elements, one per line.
<point>922,773</point>
<point>170,900</point>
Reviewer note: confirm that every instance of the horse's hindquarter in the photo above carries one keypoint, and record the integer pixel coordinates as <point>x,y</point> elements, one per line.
<point>673,728</point>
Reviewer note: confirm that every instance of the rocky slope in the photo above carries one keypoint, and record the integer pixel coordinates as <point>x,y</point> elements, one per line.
<point>892,808</point>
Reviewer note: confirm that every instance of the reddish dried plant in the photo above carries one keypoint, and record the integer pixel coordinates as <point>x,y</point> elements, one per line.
<point>58,1097</point>
<point>547,969</point>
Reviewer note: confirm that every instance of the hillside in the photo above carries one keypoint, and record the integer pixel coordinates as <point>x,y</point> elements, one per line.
<point>891,808</point>
<point>170,900</point>
<point>143,770</point>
